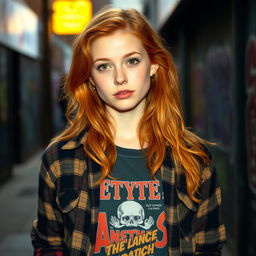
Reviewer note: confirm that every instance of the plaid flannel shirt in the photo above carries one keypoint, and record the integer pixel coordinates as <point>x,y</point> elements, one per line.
<point>68,203</point>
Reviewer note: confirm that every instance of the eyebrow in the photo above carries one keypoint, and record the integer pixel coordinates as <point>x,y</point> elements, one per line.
<point>125,56</point>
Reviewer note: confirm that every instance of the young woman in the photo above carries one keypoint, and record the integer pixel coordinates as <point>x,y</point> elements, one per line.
<point>126,177</point>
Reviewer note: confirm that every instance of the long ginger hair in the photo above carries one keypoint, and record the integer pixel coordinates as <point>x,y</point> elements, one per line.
<point>162,123</point>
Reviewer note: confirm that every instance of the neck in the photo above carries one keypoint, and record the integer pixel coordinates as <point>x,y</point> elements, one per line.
<point>125,125</point>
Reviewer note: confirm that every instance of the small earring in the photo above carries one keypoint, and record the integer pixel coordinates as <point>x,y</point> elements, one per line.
<point>94,87</point>
<point>152,75</point>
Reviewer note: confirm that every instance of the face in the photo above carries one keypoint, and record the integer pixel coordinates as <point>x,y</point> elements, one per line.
<point>121,71</point>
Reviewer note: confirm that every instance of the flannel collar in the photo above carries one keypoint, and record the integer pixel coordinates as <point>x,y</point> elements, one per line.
<point>76,141</point>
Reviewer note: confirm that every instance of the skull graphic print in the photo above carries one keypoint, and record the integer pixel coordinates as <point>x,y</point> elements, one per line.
<point>131,214</point>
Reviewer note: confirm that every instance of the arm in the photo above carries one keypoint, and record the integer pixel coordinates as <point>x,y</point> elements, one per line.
<point>210,231</point>
<point>47,231</point>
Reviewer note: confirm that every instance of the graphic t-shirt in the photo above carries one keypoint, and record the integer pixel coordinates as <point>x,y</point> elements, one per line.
<point>131,217</point>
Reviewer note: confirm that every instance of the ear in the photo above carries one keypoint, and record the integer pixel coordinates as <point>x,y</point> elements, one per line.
<point>153,69</point>
<point>91,81</point>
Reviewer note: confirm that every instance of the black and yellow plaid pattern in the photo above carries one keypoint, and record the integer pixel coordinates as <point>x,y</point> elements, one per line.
<point>68,203</point>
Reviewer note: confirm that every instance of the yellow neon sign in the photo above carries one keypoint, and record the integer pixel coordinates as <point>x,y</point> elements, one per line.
<point>70,17</point>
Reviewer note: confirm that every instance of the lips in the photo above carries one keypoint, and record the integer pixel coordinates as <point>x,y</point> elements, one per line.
<point>123,94</point>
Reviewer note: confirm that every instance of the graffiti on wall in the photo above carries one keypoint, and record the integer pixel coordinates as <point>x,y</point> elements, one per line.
<point>251,111</point>
<point>218,79</point>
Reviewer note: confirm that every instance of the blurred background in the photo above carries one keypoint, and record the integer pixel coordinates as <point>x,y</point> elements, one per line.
<point>214,47</point>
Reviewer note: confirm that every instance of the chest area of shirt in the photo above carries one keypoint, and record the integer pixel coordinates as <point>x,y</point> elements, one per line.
<point>131,215</point>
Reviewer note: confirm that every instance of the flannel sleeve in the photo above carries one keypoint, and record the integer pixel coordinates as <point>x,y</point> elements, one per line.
<point>210,233</point>
<point>47,231</point>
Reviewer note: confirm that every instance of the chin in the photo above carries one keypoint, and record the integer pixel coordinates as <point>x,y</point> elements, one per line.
<point>124,109</point>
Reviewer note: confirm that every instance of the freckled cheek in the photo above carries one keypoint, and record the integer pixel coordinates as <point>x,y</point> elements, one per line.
<point>101,81</point>
<point>142,75</point>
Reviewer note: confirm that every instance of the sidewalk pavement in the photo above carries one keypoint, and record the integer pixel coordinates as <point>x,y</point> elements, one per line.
<point>18,198</point>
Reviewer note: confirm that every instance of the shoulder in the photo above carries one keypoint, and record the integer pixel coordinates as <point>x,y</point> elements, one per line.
<point>209,182</point>
<point>207,172</point>
<point>65,148</point>
<point>53,152</point>
<point>210,165</point>
<point>64,157</point>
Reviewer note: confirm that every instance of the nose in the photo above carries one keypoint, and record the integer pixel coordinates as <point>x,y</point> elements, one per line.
<point>120,76</point>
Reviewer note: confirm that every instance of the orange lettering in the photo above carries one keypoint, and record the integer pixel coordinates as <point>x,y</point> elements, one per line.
<point>117,184</point>
<point>114,236</point>
<point>129,187</point>
<point>102,238</point>
<point>161,227</point>
<point>104,188</point>
<point>141,185</point>
<point>153,190</point>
